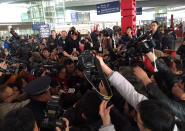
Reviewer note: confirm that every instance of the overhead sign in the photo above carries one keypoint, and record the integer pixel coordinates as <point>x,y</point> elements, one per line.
<point>36,26</point>
<point>73,16</point>
<point>44,31</point>
<point>161,18</point>
<point>106,8</point>
<point>139,11</point>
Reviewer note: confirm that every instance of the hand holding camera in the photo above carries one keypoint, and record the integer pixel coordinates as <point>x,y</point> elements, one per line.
<point>105,113</point>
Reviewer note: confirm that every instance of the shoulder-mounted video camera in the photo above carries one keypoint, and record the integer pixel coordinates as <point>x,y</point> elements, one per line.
<point>91,68</point>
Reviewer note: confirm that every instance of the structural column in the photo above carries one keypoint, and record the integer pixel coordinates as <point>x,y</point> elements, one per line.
<point>128,15</point>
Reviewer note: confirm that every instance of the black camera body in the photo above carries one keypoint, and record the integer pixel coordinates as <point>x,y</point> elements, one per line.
<point>53,115</point>
<point>86,63</point>
<point>11,69</point>
<point>38,68</point>
<point>14,42</point>
<point>138,48</point>
<point>91,68</point>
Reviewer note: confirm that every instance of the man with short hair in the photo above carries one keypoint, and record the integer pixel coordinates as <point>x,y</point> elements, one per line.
<point>53,38</point>
<point>125,40</point>
<point>64,41</point>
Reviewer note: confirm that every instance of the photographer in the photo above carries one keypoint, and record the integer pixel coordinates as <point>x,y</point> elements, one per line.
<point>125,40</point>
<point>74,39</point>
<point>95,41</point>
<point>128,36</point>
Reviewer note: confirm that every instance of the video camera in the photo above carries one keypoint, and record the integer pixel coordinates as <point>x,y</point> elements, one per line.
<point>91,68</point>
<point>38,68</point>
<point>133,56</point>
<point>14,42</point>
<point>53,116</point>
<point>12,68</point>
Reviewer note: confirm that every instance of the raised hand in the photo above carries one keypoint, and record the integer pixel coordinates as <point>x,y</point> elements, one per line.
<point>105,113</point>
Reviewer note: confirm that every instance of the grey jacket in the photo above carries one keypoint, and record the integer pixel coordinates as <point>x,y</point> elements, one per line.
<point>126,89</point>
<point>107,128</point>
<point>7,107</point>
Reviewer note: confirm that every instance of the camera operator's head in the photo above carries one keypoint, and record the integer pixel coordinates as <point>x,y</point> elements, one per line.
<point>154,116</point>
<point>19,120</point>
<point>154,26</point>
<point>46,53</point>
<point>39,89</point>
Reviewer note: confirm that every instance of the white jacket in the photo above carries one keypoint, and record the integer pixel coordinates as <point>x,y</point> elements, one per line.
<point>126,89</point>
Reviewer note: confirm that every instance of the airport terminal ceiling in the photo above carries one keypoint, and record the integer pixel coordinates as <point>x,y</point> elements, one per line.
<point>91,4</point>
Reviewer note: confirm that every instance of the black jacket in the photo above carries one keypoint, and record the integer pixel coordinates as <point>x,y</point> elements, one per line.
<point>51,39</point>
<point>157,37</point>
<point>178,108</point>
<point>126,39</point>
<point>39,110</point>
<point>64,43</point>
<point>73,43</point>
<point>169,78</point>
<point>181,51</point>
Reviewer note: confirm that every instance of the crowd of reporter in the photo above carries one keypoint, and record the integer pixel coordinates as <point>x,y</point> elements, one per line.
<point>146,97</point>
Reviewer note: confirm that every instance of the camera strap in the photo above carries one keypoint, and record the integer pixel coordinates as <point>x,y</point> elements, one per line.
<point>104,80</point>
